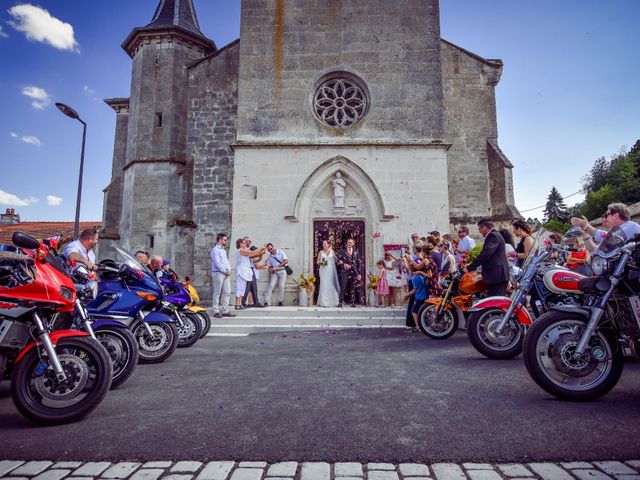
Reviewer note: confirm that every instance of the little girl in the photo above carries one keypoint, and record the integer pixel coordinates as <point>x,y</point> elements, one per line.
<point>382,289</point>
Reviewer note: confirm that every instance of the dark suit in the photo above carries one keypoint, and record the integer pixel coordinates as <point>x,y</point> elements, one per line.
<point>495,267</point>
<point>347,277</point>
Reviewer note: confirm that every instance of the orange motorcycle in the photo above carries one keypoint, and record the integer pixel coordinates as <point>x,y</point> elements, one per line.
<point>439,318</point>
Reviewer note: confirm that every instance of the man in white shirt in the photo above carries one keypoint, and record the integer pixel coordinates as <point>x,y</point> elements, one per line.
<point>277,261</point>
<point>81,250</point>
<point>465,244</point>
<point>220,278</point>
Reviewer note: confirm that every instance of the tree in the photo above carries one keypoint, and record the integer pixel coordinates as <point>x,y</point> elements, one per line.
<point>597,176</point>
<point>555,208</point>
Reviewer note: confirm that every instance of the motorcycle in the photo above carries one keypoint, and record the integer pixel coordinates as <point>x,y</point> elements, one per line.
<point>174,305</point>
<point>124,290</point>
<point>200,311</point>
<point>113,334</point>
<point>497,325</point>
<point>440,317</point>
<point>577,352</point>
<point>56,377</point>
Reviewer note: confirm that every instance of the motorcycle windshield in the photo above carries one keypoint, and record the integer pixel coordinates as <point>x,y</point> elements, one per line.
<point>143,273</point>
<point>541,238</point>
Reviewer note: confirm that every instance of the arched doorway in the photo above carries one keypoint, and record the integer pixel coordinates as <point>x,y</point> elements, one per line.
<point>338,231</point>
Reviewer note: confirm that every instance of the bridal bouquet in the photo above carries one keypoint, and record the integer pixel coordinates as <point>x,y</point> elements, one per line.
<point>323,262</point>
<point>373,282</point>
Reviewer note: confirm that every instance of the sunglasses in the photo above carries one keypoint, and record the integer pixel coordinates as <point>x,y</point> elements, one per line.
<point>607,215</point>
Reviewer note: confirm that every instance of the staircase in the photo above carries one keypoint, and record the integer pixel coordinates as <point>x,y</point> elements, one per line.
<point>287,319</point>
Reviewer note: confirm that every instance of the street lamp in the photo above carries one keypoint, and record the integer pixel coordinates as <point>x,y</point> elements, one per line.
<point>71,113</point>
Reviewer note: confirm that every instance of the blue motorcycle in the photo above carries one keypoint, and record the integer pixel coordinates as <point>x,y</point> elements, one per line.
<point>125,294</point>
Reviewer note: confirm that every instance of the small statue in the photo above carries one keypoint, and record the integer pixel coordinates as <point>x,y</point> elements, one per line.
<point>338,184</point>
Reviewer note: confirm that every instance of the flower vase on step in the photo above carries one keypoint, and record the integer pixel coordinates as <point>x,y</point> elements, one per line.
<point>303,298</point>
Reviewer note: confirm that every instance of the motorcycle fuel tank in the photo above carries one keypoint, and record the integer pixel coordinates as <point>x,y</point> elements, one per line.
<point>562,280</point>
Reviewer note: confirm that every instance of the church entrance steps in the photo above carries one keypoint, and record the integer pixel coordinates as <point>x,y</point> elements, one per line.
<point>284,319</point>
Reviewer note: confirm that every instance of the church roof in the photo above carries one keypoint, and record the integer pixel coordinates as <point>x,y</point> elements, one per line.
<point>176,13</point>
<point>178,16</point>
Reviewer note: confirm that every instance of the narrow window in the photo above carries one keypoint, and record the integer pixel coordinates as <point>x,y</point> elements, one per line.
<point>150,240</point>
<point>158,119</point>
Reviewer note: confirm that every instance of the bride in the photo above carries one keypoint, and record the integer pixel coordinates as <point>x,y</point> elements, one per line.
<point>329,286</point>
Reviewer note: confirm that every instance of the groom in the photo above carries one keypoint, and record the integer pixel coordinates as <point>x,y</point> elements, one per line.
<point>349,265</point>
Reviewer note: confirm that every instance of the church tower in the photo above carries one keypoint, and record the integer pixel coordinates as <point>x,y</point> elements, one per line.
<point>154,177</point>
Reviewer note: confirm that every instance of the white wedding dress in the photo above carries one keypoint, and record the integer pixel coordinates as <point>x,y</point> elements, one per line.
<point>329,286</point>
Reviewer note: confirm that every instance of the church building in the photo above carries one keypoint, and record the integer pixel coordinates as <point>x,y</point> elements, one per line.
<point>326,119</point>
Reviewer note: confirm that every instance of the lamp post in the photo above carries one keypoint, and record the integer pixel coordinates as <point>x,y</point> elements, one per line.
<point>71,113</point>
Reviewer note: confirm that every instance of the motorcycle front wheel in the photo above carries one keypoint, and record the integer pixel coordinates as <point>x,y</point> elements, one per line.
<point>438,327</point>
<point>41,397</point>
<point>123,350</point>
<point>481,330</point>
<point>160,345</point>
<point>191,329</point>
<point>205,320</point>
<point>548,356</point>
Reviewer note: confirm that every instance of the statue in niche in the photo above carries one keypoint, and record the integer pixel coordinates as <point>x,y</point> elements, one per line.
<point>338,184</point>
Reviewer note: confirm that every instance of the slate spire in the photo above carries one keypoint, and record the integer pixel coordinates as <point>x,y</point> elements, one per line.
<point>176,13</point>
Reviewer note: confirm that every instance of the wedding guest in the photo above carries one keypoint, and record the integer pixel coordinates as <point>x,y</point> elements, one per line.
<point>382,288</point>
<point>244,272</point>
<point>522,230</point>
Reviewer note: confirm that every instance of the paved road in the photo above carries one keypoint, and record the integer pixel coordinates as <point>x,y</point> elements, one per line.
<point>386,395</point>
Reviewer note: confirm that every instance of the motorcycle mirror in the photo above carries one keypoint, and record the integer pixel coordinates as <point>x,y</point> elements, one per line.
<point>573,232</point>
<point>23,240</point>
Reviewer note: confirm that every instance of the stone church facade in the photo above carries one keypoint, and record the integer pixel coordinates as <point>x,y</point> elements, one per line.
<point>323,114</point>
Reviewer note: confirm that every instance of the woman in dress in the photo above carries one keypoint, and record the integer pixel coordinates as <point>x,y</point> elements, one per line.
<point>244,273</point>
<point>395,277</point>
<point>522,230</point>
<point>328,293</point>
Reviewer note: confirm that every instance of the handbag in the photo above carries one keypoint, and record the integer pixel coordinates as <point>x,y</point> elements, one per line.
<point>288,269</point>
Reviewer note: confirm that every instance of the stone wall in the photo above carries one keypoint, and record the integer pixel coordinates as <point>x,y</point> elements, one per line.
<point>112,206</point>
<point>157,202</point>
<point>394,47</point>
<point>213,105</point>
<point>470,119</point>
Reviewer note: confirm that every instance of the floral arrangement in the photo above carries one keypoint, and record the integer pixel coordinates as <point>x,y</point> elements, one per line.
<point>473,253</point>
<point>323,262</point>
<point>308,283</point>
<point>373,282</point>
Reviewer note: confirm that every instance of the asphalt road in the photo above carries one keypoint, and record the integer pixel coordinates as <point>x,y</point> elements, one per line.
<point>374,395</point>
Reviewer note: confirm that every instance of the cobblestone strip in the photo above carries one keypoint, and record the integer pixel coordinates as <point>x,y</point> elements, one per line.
<point>259,470</point>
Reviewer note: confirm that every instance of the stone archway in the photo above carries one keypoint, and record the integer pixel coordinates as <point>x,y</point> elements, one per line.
<point>315,201</point>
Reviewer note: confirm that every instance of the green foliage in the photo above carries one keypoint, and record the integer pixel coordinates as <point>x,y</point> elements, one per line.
<point>557,226</point>
<point>474,252</point>
<point>555,208</point>
<point>608,181</point>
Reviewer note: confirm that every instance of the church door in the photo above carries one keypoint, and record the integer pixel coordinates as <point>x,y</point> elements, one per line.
<point>338,232</point>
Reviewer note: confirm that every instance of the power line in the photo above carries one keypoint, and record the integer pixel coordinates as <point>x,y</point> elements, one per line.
<point>542,206</point>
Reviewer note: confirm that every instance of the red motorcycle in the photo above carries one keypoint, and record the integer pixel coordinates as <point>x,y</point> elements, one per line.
<point>56,377</point>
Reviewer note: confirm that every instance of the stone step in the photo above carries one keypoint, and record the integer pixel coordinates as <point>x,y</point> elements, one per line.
<point>291,319</point>
<point>319,312</point>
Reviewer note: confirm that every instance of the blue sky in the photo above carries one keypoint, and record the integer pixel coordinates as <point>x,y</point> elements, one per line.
<point>569,92</point>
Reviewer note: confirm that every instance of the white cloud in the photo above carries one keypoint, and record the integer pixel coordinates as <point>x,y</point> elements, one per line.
<point>53,200</point>
<point>89,91</point>
<point>39,95</point>
<point>2,33</point>
<point>30,139</point>
<point>12,200</point>
<point>38,25</point>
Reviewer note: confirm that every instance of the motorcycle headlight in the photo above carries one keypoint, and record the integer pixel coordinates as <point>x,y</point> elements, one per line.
<point>66,293</point>
<point>598,265</point>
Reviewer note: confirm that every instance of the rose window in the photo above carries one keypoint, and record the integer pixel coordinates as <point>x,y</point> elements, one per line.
<point>339,103</point>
